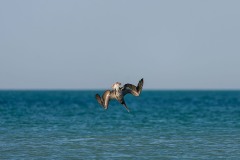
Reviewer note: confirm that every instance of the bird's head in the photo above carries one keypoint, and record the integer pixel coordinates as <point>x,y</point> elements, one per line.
<point>116,85</point>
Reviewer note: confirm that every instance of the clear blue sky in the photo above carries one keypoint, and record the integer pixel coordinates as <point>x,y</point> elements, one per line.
<point>76,44</point>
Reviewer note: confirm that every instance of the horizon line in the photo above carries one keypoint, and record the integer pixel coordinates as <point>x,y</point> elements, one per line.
<point>101,89</point>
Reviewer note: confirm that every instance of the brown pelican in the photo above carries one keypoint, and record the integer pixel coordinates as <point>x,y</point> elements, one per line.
<point>118,93</point>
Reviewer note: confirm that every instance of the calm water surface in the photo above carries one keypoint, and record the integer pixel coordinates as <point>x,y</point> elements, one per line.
<point>161,125</point>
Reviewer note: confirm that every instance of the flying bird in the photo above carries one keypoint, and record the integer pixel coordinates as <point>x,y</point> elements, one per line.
<point>118,93</point>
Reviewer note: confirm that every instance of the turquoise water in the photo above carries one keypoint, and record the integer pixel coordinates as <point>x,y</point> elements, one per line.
<point>161,125</point>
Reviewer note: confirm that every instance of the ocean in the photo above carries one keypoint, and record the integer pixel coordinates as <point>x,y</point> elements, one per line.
<point>160,125</point>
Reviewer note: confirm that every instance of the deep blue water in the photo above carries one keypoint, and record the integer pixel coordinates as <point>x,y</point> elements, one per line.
<point>161,125</point>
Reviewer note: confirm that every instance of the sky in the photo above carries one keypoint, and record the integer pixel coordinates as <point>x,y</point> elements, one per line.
<point>91,44</point>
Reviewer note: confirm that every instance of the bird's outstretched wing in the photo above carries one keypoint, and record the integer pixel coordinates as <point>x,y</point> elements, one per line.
<point>104,101</point>
<point>130,88</point>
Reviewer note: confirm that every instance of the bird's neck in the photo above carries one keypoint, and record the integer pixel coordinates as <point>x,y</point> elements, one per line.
<point>117,89</point>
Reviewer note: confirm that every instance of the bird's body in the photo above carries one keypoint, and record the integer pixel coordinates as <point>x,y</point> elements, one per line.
<point>118,93</point>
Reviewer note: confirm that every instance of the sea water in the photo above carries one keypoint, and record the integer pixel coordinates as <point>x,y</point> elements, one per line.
<point>160,125</point>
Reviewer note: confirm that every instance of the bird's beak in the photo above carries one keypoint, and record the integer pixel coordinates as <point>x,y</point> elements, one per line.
<point>126,107</point>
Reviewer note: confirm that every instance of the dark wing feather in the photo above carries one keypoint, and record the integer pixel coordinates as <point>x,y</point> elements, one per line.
<point>104,101</point>
<point>106,98</point>
<point>132,89</point>
<point>99,99</point>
